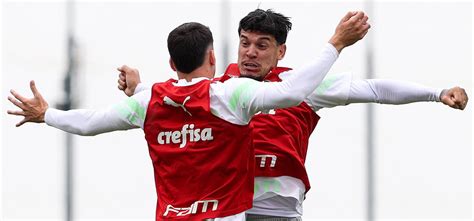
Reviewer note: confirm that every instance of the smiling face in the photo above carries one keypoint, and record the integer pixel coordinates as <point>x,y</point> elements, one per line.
<point>258,54</point>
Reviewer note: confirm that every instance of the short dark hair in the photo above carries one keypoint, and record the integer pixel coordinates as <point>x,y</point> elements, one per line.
<point>267,22</point>
<point>188,44</point>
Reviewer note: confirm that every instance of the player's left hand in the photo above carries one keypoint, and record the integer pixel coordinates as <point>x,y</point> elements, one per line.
<point>32,109</point>
<point>352,28</point>
<point>455,97</point>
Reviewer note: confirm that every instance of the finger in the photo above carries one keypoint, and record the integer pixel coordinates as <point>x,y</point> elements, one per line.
<point>18,96</point>
<point>21,122</point>
<point>465,100</point>
<point>457,106</point>
<point>361,22</point>
<point>359,15</point>
<point>456,103</point>
<point>16,103</point>
<point>465,95</point>
<point>122,76</point>
<point>365,28</point>
<point>460,99</point>
<point>35,91</point>
<point>456,95</point>
<point>448,101</point>
<point>120,87</point>
<point>462,95</point>
<point>364,19</point>
<point>347,16</point>
<point>124,68</point>
<point>16,112</point>
<point>122,83</point>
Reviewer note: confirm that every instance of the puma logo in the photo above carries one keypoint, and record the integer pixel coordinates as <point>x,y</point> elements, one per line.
<point>170,102</point>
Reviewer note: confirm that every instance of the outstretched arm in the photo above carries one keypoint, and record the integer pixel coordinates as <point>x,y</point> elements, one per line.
<point>86,122</point>
<point>340,89</point>
<point>82,122</point>
<point>401,92</point>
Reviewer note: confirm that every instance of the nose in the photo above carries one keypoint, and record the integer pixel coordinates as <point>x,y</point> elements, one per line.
<point>251,52</point>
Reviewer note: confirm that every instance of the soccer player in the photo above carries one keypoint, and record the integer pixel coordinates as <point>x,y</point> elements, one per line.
<point>200,171</point>
<point>281,136</point>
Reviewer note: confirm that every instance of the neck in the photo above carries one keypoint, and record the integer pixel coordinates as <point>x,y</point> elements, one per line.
<point>199,72</point>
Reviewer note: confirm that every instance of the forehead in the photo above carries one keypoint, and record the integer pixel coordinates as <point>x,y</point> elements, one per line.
<point>256,36</point>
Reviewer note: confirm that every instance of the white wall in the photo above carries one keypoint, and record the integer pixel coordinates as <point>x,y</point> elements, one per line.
<point>423,151</point>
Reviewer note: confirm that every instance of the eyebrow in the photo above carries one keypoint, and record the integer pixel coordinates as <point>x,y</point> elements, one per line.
<point>264,38</point>
<point>259,39</point>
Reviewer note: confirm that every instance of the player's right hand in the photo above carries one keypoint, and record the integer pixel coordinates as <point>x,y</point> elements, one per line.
<point>32,109</point>
<point>128,80</point>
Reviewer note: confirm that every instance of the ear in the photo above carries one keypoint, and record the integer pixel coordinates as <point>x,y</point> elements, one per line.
<point>281,51</point>
<point>212,57</point>
<point>172,64</point>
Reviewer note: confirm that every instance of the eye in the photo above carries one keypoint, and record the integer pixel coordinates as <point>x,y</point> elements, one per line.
<point>244,43</point>
<point>262,46</point>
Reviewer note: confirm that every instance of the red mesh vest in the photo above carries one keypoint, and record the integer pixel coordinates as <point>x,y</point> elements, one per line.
<point>203,165</point>
<point>281,138</point>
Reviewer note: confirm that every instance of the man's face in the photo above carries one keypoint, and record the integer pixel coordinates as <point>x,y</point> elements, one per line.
<point>258,54</point>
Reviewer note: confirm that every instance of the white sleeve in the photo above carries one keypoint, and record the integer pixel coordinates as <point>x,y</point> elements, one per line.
<point>141,87</point>
<point>333,91</point>
<point>340,89</point>
<point>391,92</point>
<point>128,114</point>
<point>246,97</point>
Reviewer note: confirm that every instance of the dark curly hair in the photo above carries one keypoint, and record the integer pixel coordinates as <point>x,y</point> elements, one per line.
<point>267,22</point>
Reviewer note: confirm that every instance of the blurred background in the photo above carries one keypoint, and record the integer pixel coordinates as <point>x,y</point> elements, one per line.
<point>414,162</point>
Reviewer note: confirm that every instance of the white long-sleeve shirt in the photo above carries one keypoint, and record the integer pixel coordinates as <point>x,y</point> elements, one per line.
<point>235,100</point>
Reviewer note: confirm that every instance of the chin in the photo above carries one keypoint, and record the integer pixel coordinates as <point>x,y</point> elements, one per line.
<point>253,76</point>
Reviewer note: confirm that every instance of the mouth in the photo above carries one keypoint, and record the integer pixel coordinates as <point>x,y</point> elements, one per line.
<point>251,66</point>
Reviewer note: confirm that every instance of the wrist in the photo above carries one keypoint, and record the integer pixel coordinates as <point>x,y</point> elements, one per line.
<point>337,44</point>
<point>441,94</point>
<point>44,115</point>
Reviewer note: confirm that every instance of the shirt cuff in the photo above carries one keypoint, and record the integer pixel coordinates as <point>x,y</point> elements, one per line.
<point>332,49</point>
<point>140,87</point>
<point>438,93</point>
<point>48,116</point>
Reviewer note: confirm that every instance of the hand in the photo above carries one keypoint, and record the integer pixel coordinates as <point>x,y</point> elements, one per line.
<point>455,97</point>
<point>32,109</point>
<point>128,80</point>
<point>352,27</point>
